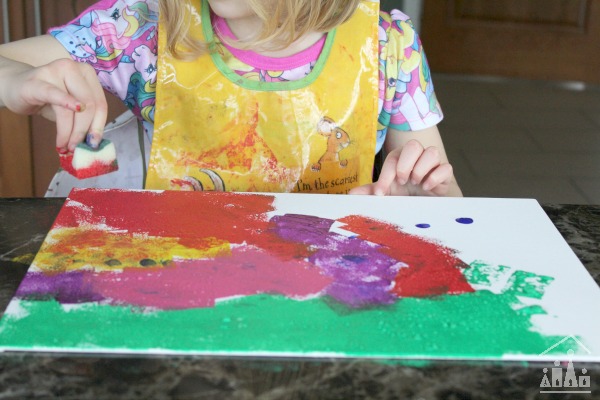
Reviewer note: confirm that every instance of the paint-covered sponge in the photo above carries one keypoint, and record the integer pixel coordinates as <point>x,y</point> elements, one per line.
<point>87,162</point>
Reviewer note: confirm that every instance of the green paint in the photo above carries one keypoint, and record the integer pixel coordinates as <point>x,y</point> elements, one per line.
<point>527,284</point>
<point>531,310</point>
<point>482,274</point>
<point>473,325</point>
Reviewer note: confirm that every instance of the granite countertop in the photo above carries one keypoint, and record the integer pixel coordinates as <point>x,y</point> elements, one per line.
<point>23,226</point>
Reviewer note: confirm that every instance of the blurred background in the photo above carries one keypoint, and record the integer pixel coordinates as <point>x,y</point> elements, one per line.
<point>517,80</point>
<point>518,83</point>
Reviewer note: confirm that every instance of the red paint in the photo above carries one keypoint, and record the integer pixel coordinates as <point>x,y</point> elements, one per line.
<point>187,216</point>
<point>199,283</point>
<point>97,168</point>
<point>432,268</point>
<point>245,152</point>
<point>182,184</point>
<point>171,213</point>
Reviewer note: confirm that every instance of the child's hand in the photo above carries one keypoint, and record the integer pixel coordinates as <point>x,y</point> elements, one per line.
<point>411,171</point>
<point>64,91</point>
<point>416,165</point>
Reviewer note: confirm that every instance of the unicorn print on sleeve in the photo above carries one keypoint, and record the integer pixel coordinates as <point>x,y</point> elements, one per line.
<point>407,100</point>
<point>118,38</point>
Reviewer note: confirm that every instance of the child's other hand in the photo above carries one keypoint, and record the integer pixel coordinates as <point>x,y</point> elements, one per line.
<point>64,91</point>
<point>416,165</point>
<point>412,171</point>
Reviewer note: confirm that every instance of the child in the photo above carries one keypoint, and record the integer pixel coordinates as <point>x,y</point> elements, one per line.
<point>244,95</point>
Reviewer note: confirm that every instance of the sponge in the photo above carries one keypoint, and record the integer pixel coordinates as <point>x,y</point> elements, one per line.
<point>87,162</point>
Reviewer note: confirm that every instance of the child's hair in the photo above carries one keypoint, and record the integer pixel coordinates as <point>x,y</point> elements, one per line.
<point>284,22</point>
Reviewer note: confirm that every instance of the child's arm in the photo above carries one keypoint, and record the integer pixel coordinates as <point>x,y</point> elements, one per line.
<point>416,165</point>
<point>37,76</point>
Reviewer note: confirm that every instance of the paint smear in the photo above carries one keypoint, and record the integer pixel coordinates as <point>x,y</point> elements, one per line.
<point>432,269</point>
<point>446,327</point>
<point>26,259</point>
<point>528,284</point>
<point>362,274</point>
<point>90,247</point>
<point>233,218</point>
<point>182,265</point>
<point>484,274</point>
<point>184,284</point>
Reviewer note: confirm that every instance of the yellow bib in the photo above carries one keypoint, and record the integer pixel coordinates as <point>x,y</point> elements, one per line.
<point>216,130</point>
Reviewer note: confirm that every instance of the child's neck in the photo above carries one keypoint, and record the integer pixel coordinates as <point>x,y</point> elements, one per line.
<point>246,28</point>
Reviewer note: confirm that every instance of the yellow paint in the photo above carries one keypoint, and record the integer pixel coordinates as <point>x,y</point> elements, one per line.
<point>69,249</point>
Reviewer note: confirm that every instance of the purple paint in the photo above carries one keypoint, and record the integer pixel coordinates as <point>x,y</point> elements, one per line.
<point>465,221</point>
<point>305,229</point>
<point>423,226</point>
<point>363,276</point>
<point>67,287</point>
<point>184,284</point>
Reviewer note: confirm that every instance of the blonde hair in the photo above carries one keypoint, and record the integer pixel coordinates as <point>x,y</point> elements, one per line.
<point>284,21</point>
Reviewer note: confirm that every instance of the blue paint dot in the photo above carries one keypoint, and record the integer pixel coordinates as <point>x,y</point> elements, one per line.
<point>465,221</point>
<point>353,258</point>
<point>423,226</point>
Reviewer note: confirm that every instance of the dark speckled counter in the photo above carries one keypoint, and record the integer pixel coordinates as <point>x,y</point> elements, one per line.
<point>23,226</point>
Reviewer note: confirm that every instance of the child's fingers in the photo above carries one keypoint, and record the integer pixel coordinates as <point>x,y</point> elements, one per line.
<point>94,136</point>
<point>82,120</point>
<point>439,179</point>
<point>52,95</point>
<point>88,90</point>
<point>427,162</point>
<point>100,114</point>
<point>409,156</point>
<point>363,190</point>
<point>80,128</point>
<point>64,128</point>
<point>387,174</point>
<point>398,166</point>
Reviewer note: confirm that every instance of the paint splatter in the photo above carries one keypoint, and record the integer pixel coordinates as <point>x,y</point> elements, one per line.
<point>483,274</point>
<point>528,284</point>
<point>26,259</point>
<point>423,226</point>
<point>465,221</point>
